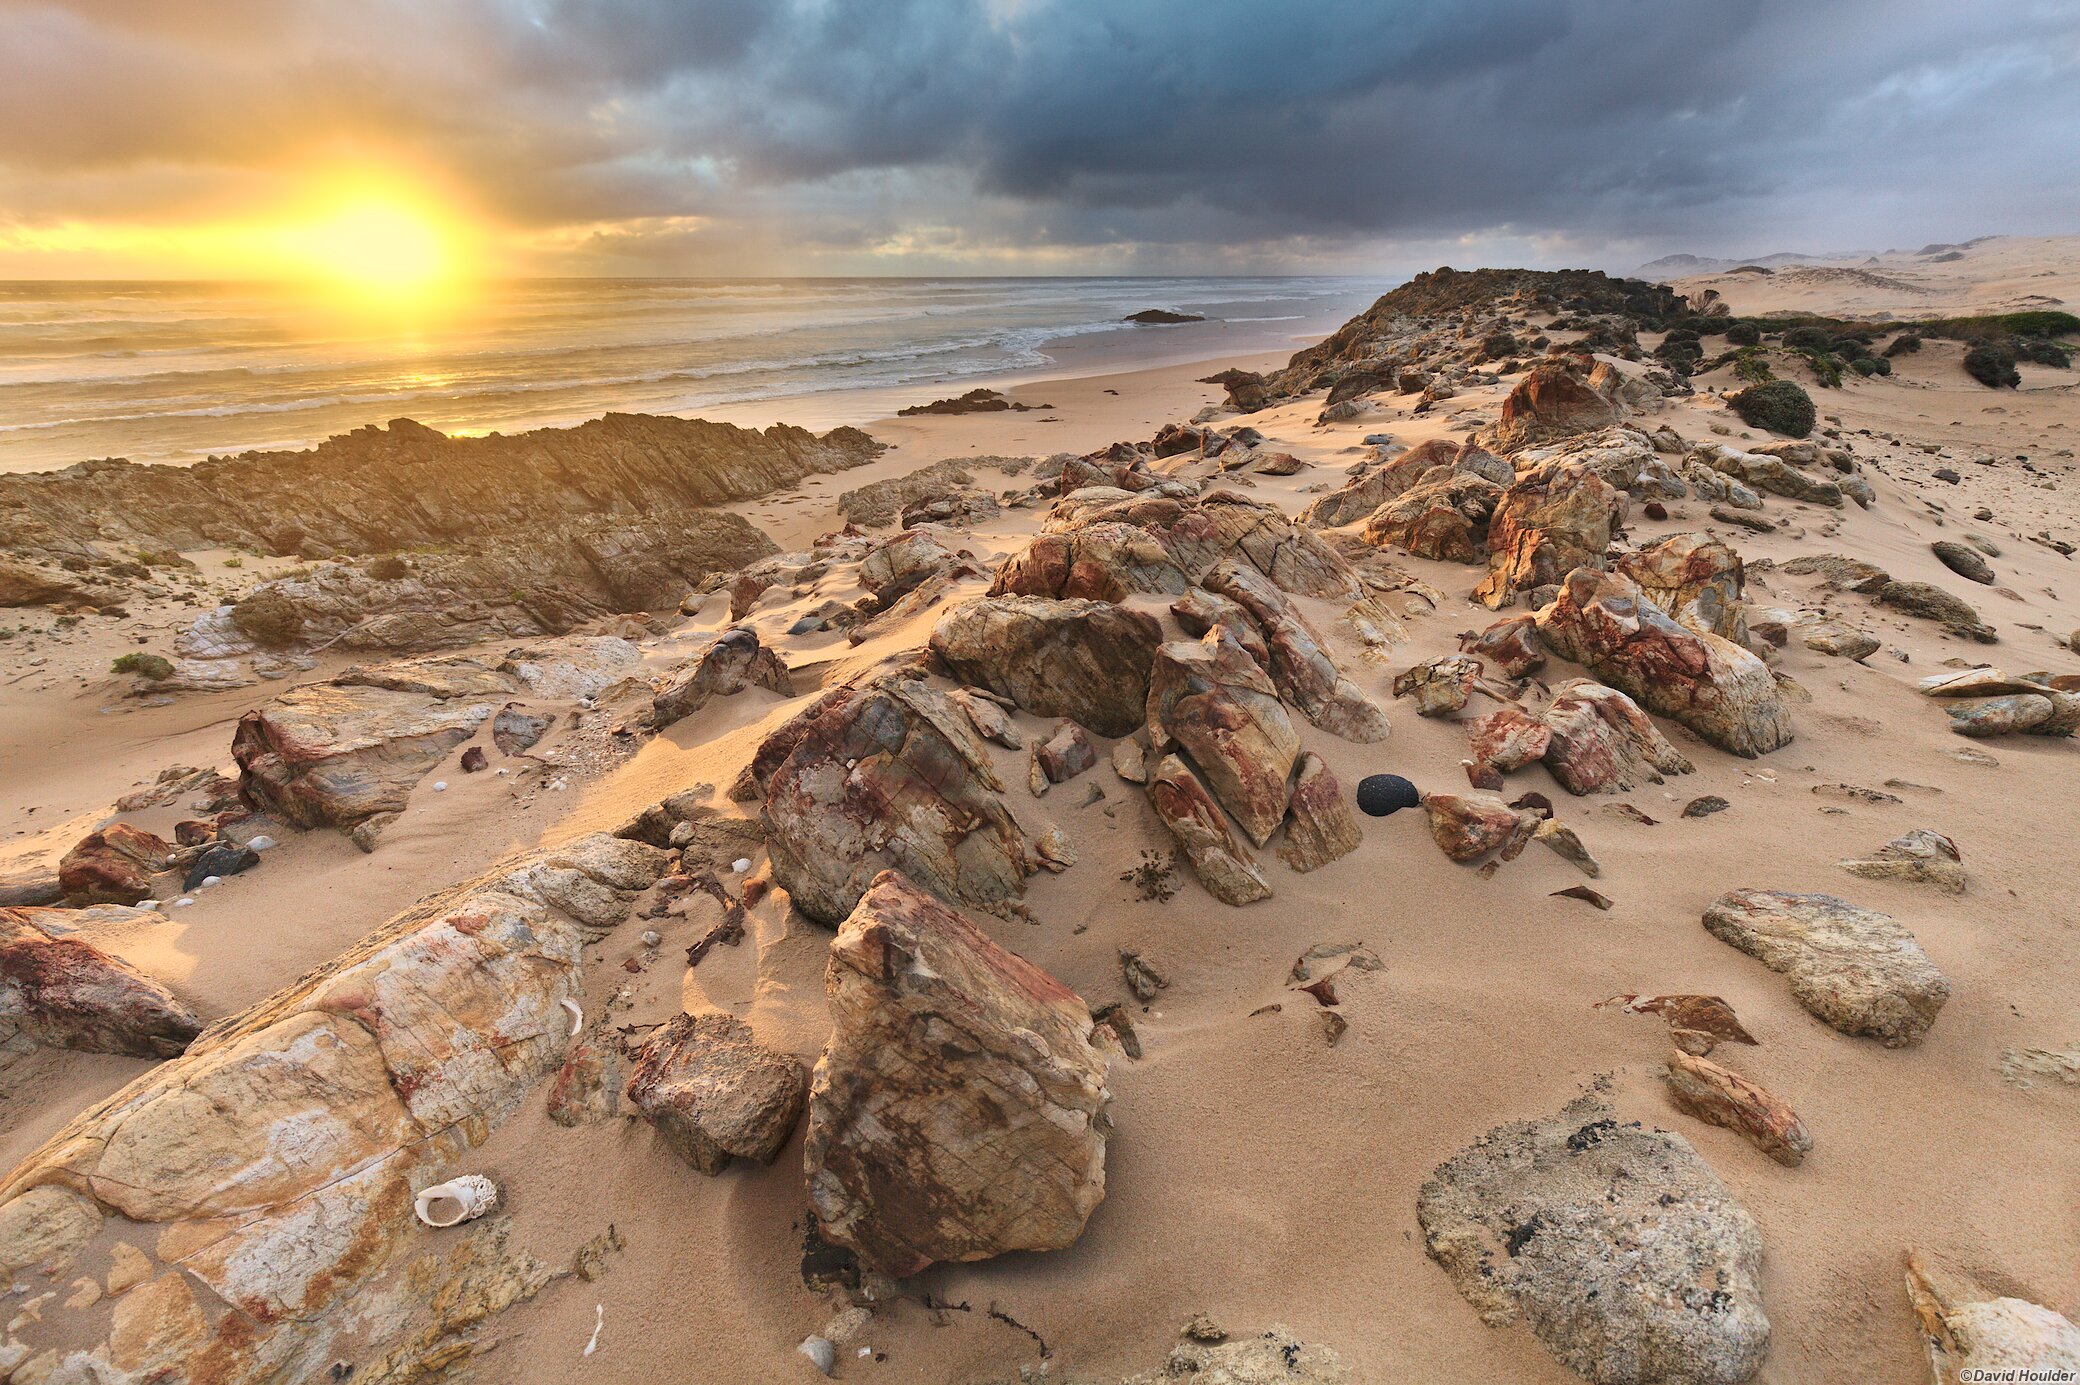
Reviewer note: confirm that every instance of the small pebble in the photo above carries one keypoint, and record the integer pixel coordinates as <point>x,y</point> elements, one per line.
<point>440,786</point>
<point>652,938</point>
<point>741,864</point>
<point>210,882</point>
<point>183,902</point>
<point>261,843</point>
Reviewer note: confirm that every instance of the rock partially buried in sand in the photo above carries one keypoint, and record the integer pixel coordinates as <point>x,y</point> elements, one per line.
<point>1855,969</point>
<point>1271,1357</point>
<point>1933,603</point>
<point>1085,660</point>
<point>1920,857</point>
<point>113,866</point>
<point>67,993</point>
<point>1211,698</point>
<point>715,1093</point>
<point>1469,826</point>
<point>1967,1328</point>
<point>1601,742</point>
<point>1319,824</point>
<point>958,1110</point>
<point>1300,665</point>
<point>1616,1245</point>
<point>1195,819</point>
<point>731,662</point>
<point>1714,1093</point>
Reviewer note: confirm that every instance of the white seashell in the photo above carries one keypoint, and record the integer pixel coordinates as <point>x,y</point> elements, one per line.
<point>500,770</point>
<point>599,1320</point>
<point>577,1016</point>
<point>820,1351</point>
<point>183,902</point>
<point>261,843</point>
<point>440,786</point>
<point>741,864</point>
<point>210,882</point>
<point>456,1201</point>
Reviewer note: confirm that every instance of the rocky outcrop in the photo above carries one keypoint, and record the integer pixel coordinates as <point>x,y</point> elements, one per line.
<point>1552,519</point>
<point>1695,578</point>
<point>1445,518</point>
<point>1550,402</point>
<point>1200,532</point>
<point>959,1110</point>
<point>1933,603</point>
<point>1222,864</point>
<point>731,662</point>
<point>113,866</point>
<point>1601,742</point>
<point>1524,1223</point>
<point>1512,643</point>
<point>1714,687</point>
<point>1105,561</point>
<point>1213,700</point>
<point>1767,473</point>
<point>1855,969</point>
<point>1300,665</point>
<point>1973,1333</point>
<point>888,774</point>
<point>714,1093</point>
<point>262,1184</point>
<point>1085,660</point>
<point>890,569</point>
<point>63,991</point>
<point>1378,482</point>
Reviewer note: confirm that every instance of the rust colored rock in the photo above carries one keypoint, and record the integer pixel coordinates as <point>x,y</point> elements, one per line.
<point>1085,660</point>
<point>733,661</point>
<point>1320,826</point>
<point>889,774</point>
<point>1508,738</point>
<point>1695,578</point>
<point>959,1110</point>
<point>1722,1096</point>
<point>112,866</point>
<point>714,1093</point>
<point>1300,665</point>
<point>1444,518</point>
<point>1098,562</point>
<point>1380,482</point>
<point>1440,686</point>
<point>1549,403</point>
<point>1201,829</point>
<point>1717,689</point>
<point>1552,519</point>
<point>1201,531</point>
<point>1603,743</point>
<point>1199,610</point>
<point>1065,754</point>
<point>1209,697</point>
<point>1469,826</point>
<point>67,993</point>
<point>1512,643</point>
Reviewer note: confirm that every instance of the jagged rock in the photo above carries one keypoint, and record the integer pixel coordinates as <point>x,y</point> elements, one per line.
<point>1210,698</point>
<point>1469,826</point>
<point>1964,560</point>
<point>1511,642</point>
<point>1552,519</point>
<point>1382,481</point>
<point>1549,402</point>
<point>1440,686</point>
<point>516,732</point>
<point>1717,486</point>
<point>1065,754</point>
<point>65,992</point>
<point>1568,845</point>
<point>1623,457</point>
<point>1855,969</point>
<point>989,718</point>
<point>1198,611</point>
<point>262,1183</point>
<point>1130,760</point>
<point>1320,826</point>
<point>1202,531</point>
<point>1981,682</point>
<point>1104,561</point>
<point>958,1111</point>
<point>1508,738</point>
<point>1300,665</point>
<point>731,662</point>
<point>1695,578</point>
<point>714,1092</point>
<point>1933,603</point>
<point>113,866</point>
<point>1601,742</point>
<point>881,502</point>
<point>890,569</point>
<point>1721,1096</point>
<point>1085,660</point>
<point>1633,391</point>
<point>888,774</point>
<point>1201,829</point>
<point>1972,1334</point>
<point>1524,1222</point>
<point>1768,473</point>
<point>1445,518</point>
<point>1271,1357</point>
<point>1919,857</point>
<point>1717,689</point>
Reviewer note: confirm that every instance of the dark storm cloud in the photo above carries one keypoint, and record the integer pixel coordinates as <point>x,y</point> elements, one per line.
<point>1164,131</point>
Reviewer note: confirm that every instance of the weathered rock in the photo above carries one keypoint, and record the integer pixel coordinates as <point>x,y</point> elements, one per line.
<point>2045,713</point>
<point>1446,518</point>
<point>1714,687</point>
<point>1972,1334</point>
<point>65,992</point>
<point>1933,603</point>
<point>1097,562</point>
<point>1065,754</point>
<point>1919,857</point>
<point>1511,642</point>
<point>1552,519</point>
<point>1273,1356</point>
<point>1621,456</point>
<point>1770,474</point>
<point>1837,638</point>
<point>1320,826</point>
<point>714,1092</point>
<point>1440,686</point>
<point>1980,682</point>
<point>888,774</point>
<point>1381,481</point>
<point>1550,402</point>
<point>1964,560</point>
<point>958,1110</point>
<point>1201,829</point>
<point>1855,969</point>
<point>1130,760</point>
<point>1722,1096</point>
<point>1524,1223</point>
<point>1085,660</point>
<point>882,502</point>
<point>1508,738</point>
<point>1601,742</point>
<point>1568,845</point>
<point>515,731</point>
<point>1202,531</point>
<point>988,717</point>
<point>1469,826</point>
<point>731,662</point>
<point>1199,611</point>
<point>1695,578</point>
<point>113,866</point>
<point>1300,665</point>
<point>893,568</point>
<point>1210,698</point>
<point>1841,573</point>
<point>262,1183</point>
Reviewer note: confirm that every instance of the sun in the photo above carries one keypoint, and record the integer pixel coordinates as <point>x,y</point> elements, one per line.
<point>376,247</point>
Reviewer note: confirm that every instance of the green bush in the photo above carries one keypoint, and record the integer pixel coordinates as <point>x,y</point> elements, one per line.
<point>1779,406</point>
<point>1752,366</point>
<point>1826,368</point>
<point>2039,323</point>
<point>1809,338</point>
<point>150,666</point>
<point>2041,351</point>
<point>1744,334</point>
<point>1904,344</point>
<point>1864,365</point>
<point>1992,363</point>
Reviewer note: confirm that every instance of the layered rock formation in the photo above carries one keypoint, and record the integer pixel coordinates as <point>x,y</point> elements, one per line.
<point>63,991</point>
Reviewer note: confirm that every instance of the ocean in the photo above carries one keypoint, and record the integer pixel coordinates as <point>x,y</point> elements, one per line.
<point>176,371</point>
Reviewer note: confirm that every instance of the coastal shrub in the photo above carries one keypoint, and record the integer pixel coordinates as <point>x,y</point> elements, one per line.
<point>2041,351</point>
<point>1743,334</point>
<point>152,666</point>
<point>1992,364</point>
<point>388,568</point>
<point>1866,365</point>
<point>1778,405</point>
<point>2041,322</point>
<point>1809,338</point>
<point>1499,345</point>
<point>1752,366</point>
<point>1904,344</point>
<point>1826,368</point>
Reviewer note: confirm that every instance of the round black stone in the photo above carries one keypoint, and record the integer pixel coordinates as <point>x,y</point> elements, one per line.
<point>1381,794</point>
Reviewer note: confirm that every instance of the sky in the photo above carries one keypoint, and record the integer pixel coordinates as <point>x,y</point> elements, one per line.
<point>147,138</point>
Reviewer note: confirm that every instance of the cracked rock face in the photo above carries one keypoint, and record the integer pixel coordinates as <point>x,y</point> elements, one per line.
<point>1855,969</point>
<point>1209,697</point>
<point>112,866</point>
<point>1085,660</point>
<point>1299,662</point>
<point>1195,819</point>
<point>714,1093</point>
<point>1616,1245</point>
<point>958,1110</point>
<point>68,993</point>
<point>733,661</point>
<point>1549,403</point>
<point>1320,826</point>
<point>1552,519</point>
<point>1695,578</point>
<point>1105,561</point>
<point>1202,531</point>
<point>1601,742</point>
<point>1444,517</point>
<point>1970,1328</point>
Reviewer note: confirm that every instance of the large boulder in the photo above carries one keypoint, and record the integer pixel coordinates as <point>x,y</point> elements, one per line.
<point>1549,402</point>
<point>1552,519</point>
<point>959,1110</point>
<point>893,568</point>
<point>1212,699</point>
<point>113,866</point>
<point>1855,969</point>
<point>1320,826</point>
<point>1713,686</point>
<point>1694,577</point>
<point>887,774</point>
<point>262,1183</point>
<point>1378,482</point>
<point>1222,864</point>
<point>65,992</point>
<point>1105,561</point>
<point>1601,742</point>
<point>1300,665</point>
<point>1444,517</point>
<point>1085,660</point>
<point>1931,602</point>
<point>1615,1244</point>
<point>714,1093</point>
<point>731,662</point>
